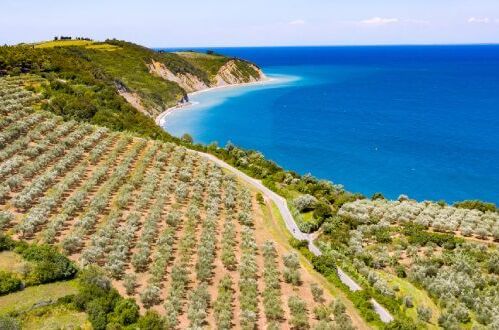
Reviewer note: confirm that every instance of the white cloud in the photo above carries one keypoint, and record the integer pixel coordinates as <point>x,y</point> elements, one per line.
<point>482,20</point>
<point>379,21</point>
<point>416,21</point>
<point>297,22</point>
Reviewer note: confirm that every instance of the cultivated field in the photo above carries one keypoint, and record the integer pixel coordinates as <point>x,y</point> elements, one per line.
<point>172,229</point>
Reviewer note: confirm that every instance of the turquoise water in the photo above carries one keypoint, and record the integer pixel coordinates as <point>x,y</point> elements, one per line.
<point>421,121</point>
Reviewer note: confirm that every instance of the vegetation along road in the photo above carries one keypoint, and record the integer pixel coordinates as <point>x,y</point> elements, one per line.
<point>291,225</point>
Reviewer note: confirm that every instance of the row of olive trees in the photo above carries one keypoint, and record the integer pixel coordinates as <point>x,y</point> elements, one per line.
<point>222,308</point>
<point>428,214</point>
<point>181,268</point>
<point>40,213</point>
<point>272,301</point>
<point>78,199</point>
<point>87,220</point>
<point>248,274</point>
<point>38,186</point>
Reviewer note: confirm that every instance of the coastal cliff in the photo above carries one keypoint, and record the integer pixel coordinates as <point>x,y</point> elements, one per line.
<point>231,72</point>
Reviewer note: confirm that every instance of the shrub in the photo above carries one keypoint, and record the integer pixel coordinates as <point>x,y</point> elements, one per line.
<point>424,313</point>
<point>493,264</point>
<point>9,323</point>
<point>125,312</point>
<point>408,302</point>
<point>151,321</point>
<point>448,321</point>
<point>317,292</point>
<point>476,205</point>
<point>377,195</point>
<point>50,265</point>
<point>400,271</point>
<point>130,282</point>
<point>291,272</point>
<point>150,295</point>
<point>9,283</point>
<point>6,243</point>
<point>299,313</point>
<point>322,211</point>
<point>305,203</point>
<point>5,218</point>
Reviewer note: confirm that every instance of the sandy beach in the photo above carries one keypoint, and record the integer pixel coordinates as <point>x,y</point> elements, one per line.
<point>160,120</point>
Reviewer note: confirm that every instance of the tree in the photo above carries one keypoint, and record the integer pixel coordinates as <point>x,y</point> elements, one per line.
<point>317,292</point>
<point>424,313</point>
<point>299,313</point>
<point>150,295</point>
<point>130,282</point>
<point>125,312</point>
<point>9,283</point>
<point>151,321</point>
<point>305,202</point>
<point>377,195</point>
<point>187,138</point>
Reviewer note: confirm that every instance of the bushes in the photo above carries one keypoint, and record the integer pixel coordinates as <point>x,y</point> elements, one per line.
<point>292,270</point>
<point>151,321</point>
<point>49,264</point>
<point>223,305</point>
<point>6,243</point>
<point>125,312</point>
<point>272,294</point>
<point>9,283</point>
<point>130,282</point>
<point>299,312</point>
<point>199,301</point>
<point>106,308</point>
<point>424,313</point>
<point>476,205</point>
<point>305,203</point>
<point>317,293</point>
<point>419,236</point>
<point>9,323</point>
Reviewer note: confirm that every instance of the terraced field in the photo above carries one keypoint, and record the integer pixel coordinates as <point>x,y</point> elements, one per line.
<point>173,230</point>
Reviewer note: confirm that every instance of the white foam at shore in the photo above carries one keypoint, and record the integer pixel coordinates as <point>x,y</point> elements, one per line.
<point>160,120</point>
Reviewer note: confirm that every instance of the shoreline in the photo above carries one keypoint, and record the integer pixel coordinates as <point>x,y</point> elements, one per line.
<point>161,118</point>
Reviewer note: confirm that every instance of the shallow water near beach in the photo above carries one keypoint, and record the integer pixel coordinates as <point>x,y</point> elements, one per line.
<point>421,121</point>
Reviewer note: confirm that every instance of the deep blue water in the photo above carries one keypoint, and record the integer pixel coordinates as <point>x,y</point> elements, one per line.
<point>415,120</point>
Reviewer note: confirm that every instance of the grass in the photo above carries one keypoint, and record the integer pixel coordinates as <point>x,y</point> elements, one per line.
<point>419,297</point>
<point>209,63</point>
<point>78,43</point>
<point>103,46</point>
<point>21,301</point>
<point>308,217</point>
<point>55,317</point>
<point>11,262</point>
<point>63,43</point>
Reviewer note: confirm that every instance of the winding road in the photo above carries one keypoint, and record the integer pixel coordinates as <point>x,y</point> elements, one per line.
<point>291,225</point>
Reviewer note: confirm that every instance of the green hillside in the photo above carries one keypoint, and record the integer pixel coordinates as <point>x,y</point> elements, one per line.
<point>83,80</point>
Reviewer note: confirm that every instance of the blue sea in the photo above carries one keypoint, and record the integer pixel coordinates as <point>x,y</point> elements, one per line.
<point>415,120</point>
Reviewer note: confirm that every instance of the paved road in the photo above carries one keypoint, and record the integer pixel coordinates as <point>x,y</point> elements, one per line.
<point>348,281</point>
<point>282,205</point>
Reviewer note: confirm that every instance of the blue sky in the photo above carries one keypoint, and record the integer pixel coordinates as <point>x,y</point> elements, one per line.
<point>193,23</point>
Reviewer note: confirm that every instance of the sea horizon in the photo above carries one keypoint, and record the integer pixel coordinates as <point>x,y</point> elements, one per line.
<point>203,48</point>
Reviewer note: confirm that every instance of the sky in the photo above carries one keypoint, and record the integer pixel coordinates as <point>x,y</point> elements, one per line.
<point>201,23</point>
